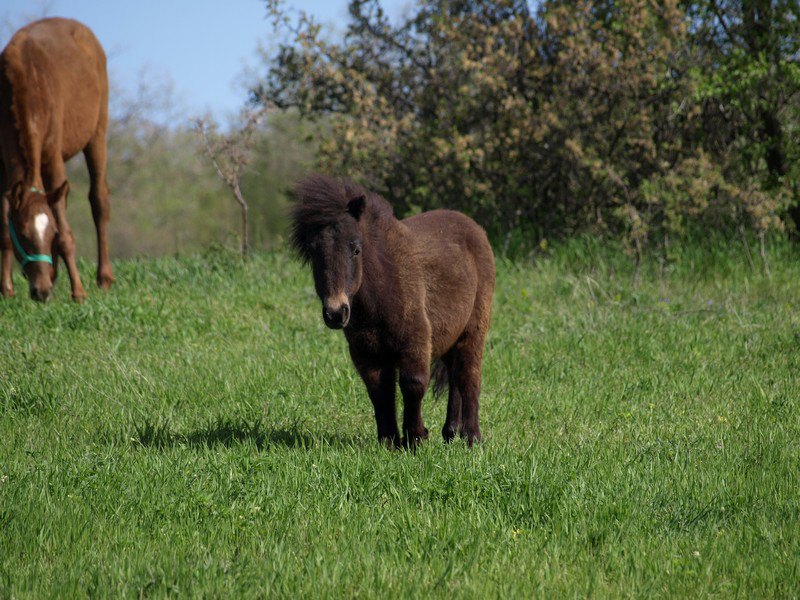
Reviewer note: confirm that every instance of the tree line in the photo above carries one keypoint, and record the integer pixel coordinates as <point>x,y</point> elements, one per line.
<point>168,197</point>
<point>644,120</point>
<point>647,121</point>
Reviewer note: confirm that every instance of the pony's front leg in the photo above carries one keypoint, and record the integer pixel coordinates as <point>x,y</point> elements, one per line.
<point>66,248</point>
<point>6,284</point>
<point>414,379</point>
<point>65,242</point>
<point>95,154</point>
<point>380,382</point>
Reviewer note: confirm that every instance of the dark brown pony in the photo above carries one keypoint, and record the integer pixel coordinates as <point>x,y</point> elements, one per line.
<point>53,104</point>
<point>405,293</point>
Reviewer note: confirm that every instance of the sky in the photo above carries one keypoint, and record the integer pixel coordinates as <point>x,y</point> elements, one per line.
<point>204,47</point>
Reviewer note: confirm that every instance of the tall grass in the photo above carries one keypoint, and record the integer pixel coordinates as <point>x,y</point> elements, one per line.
<point>198,431</point>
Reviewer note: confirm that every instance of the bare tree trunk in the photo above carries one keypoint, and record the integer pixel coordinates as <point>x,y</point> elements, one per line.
<point>229,159</point>
<point>743,235</point>
<point>237,192</point>
<point>764,254</point>
<point>635,282</point>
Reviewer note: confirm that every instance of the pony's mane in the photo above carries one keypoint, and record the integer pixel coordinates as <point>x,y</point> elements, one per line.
<point>321,201</point>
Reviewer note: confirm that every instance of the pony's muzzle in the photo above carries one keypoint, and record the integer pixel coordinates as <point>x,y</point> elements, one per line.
<point>41,294</point>
<point>336,316</point>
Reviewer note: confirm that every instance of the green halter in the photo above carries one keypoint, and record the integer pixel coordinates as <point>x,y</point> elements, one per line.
<point>27,258</point>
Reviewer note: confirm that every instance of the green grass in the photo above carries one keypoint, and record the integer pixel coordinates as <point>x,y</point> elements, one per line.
<point>197,431</point>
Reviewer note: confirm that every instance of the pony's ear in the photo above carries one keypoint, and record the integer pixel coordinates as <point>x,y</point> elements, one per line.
<point>356,206</point>
<point>58,194</point>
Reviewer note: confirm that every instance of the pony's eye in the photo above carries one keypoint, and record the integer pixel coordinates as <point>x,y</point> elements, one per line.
<point>355,248</point>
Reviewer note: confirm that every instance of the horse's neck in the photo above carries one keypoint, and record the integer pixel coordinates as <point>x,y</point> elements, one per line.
<point>19,165</point>
<point>379,279</point>
<point>17,171</point>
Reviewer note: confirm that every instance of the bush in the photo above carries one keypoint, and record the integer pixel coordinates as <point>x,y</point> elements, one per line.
<point>582,116</point>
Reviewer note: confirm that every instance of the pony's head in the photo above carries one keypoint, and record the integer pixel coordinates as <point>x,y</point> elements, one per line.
<point>33,228</point>
<point>327,231</point>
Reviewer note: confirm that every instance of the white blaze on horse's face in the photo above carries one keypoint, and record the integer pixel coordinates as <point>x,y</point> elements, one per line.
<point>40,223</point>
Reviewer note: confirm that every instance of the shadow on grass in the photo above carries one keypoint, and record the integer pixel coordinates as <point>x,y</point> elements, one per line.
<point>227,432</point>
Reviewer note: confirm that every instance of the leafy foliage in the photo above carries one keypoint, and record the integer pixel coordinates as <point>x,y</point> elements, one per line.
<point>622,116</point>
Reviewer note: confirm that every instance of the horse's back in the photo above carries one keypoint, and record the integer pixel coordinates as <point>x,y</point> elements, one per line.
<point>68,45</point>
<point>452,236</point>
<point>70,92</point>
<point>457,264</point>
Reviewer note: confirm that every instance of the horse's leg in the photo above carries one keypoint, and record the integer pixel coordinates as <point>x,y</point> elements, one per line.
<point>95,153</point>
<point>54,177</point>
<point>468,382</point>
<point>7,268</point>
<point>469,356</point>
<point>6,284</point>
<point>452,422</point>
<point>380,382</point>
<point>414,378</point>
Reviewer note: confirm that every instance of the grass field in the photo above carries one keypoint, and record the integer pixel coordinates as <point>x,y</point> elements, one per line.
<point>198,431</point>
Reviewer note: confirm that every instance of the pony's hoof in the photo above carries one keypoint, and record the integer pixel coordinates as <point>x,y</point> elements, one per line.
<point>79,298</point>
<point>471,436</point>
<point>449,433</point>
<point>104,282</point>
<point>410,442</point>
<point>390,442</point>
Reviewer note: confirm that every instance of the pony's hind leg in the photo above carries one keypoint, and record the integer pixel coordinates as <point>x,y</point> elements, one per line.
<point>452,422</point>
<point>467,380</point>
<point>95,153</point>
<point>469,387</point>
<point>469,358</point>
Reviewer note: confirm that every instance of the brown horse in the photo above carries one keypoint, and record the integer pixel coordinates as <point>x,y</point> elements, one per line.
<point>53,104</point>
<point>405,293</point>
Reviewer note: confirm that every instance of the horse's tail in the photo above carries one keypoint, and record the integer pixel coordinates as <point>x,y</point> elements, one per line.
<point>440,377</point>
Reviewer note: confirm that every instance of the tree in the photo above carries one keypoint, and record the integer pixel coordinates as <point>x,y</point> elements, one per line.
<point>747,54</point>
<point>516,118</point>
<point>590,115</point>
<point>164,196</point>
<point>230,154</point>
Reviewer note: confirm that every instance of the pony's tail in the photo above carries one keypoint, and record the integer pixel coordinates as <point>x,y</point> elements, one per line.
<point>440,377</point>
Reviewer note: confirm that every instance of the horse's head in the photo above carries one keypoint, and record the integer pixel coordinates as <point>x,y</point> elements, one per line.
<point>334,250</point>
<point>33,229</point>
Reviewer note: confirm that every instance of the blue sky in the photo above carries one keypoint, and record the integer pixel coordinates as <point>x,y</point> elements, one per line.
<point>203,46</point>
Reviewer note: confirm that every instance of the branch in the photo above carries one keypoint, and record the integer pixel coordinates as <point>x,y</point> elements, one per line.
<point>721,18</point>
<point>211,153</point>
